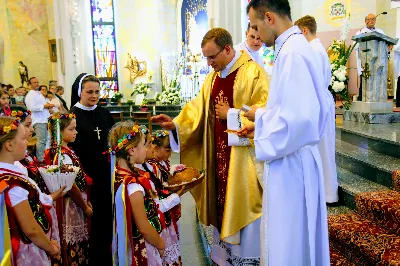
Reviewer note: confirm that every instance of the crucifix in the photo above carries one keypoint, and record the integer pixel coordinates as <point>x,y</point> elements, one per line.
<point>98,132</point>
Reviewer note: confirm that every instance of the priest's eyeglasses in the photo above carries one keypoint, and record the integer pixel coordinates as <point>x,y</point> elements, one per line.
<point>212,57</point>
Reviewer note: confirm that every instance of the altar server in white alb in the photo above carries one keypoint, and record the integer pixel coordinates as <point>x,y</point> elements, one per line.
<point>308,27</point>
<point>251,46</point>
<point>286,135</point>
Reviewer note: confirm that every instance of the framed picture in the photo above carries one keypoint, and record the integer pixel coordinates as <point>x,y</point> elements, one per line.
<point>53,50</point>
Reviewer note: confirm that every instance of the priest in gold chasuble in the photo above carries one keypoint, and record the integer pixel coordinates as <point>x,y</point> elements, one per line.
<point>230,196</point>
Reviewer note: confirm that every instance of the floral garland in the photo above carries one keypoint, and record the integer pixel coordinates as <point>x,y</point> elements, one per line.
<point>21,115</point>
<point>7,129</point>
<point>124,140</point>
<point>61,116</point>
<point>158,135</point>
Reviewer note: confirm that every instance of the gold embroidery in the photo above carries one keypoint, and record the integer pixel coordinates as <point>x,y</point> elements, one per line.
<point>221,98</point>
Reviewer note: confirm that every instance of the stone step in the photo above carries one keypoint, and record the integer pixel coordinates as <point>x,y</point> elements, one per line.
<point>362,242</point>
<point>351,184</point>
<point>366,163</point>
<point>382,138</point>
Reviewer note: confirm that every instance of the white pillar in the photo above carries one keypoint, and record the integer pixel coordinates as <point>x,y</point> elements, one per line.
<point>73,31</point>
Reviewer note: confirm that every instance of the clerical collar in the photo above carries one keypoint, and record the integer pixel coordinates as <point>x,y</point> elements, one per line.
<point>81,106</point>
<point>280,41</point>
<point>227,69</point>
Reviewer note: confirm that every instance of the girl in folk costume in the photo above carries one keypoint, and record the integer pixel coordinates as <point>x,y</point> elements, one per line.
<point>31,167</point>
<point>27,208</point>
<point>74,207</point>
<point>162,153</point>
<point>167,202</point>
<point>137,225</point>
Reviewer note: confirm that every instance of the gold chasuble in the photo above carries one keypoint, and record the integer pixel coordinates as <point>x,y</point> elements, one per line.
<point>196,126</point>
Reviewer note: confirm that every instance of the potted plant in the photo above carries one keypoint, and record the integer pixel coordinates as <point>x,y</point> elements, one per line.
<point>144,106</point>
<point>141,88</point>
<point>117,97</point>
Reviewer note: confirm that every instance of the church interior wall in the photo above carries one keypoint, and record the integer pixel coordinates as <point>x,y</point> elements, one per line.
<point>328,29</point>
<point>25,31</point>
<point>145,29</point>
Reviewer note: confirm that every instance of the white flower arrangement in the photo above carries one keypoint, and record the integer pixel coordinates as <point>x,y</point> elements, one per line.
<point>170,96</point>
<point>141,88</point>
<point>341,53</point>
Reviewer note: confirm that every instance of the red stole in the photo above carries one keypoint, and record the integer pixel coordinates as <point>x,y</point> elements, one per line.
<point>40,212</point>
<point>222,92</point>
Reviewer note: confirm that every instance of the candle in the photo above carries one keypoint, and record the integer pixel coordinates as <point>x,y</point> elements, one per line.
<point>154,110</point>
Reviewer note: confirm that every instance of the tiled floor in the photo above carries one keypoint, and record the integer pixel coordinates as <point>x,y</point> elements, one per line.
<point>191,247</point>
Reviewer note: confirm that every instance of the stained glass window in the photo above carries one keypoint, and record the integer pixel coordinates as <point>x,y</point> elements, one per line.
<point>105,52</point>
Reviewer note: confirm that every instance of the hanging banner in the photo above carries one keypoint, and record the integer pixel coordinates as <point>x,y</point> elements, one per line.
<point>395,3</point>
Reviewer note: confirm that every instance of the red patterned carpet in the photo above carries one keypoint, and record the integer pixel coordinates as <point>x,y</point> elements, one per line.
<point>363,242</point>
<point>396,180</point>
<point>381,207</point>
<point>338,259</point>
<point>372,235</point>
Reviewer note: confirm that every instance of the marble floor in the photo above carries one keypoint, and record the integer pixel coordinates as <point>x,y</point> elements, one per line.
<point>191,246</point>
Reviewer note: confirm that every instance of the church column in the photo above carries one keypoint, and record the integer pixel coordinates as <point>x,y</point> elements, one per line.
<point>231,21</point>
<point>73,31</point>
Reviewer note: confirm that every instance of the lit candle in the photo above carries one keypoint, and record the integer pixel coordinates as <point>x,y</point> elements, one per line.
<point>154,110</point>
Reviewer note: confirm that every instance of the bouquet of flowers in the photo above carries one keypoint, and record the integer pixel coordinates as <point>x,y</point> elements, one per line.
<point>340,54</point>
<point>141,89</point>
<point>169,96</point>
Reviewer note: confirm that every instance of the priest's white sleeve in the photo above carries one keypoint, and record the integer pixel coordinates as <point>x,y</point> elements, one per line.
<point>175,144</point>
<point>291,119</point>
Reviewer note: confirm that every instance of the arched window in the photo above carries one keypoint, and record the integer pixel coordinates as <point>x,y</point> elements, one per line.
<point>105,52</point>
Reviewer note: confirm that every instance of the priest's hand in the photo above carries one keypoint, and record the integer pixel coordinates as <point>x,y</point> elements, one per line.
<point>221,110</point>
<point>247,131</point>
<point>251,115</point>
<point>164,121</point>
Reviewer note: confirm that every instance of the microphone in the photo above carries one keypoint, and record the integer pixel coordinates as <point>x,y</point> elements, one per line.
<point>383,13</point>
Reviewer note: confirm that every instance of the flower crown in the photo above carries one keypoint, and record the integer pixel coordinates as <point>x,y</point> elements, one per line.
<point>6,129</point>
<point>161,134</point>
<point>21,115</point>
<point>124,140</point>
<point>144,130</point>
<point>61,116</point>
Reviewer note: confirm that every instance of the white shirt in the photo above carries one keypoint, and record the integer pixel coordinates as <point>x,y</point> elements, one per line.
<point>19,194</point>
<point>323,59</point>
<point>35,102</point>
<point>164,204</point>
<point>362,31</point>
<point>57,104</point>
<point>255,55</point>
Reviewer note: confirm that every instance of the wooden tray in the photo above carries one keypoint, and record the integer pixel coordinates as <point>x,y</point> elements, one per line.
<point>189,185</point>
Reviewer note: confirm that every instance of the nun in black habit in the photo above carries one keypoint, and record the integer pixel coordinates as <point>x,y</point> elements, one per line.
<point>93,124</point>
